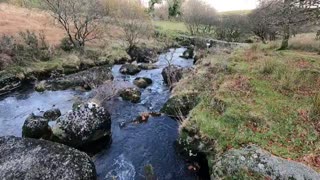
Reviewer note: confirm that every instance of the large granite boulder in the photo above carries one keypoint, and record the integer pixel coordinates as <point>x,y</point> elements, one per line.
<point>24,158</point>
<point>36,127</point>
<point>172,74</point>
<point>142,54</point>
<point>130,69</point>
<point>87,79</point>
<point>86,127</point>
<point>236,163</point>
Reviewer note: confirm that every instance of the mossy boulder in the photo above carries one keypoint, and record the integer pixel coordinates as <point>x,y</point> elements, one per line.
<point>131,94</point>
<point>254,160</point>
<point>36,127</point>
<point>142,82</point>
<point>180,105</point>
<point>130,69</point>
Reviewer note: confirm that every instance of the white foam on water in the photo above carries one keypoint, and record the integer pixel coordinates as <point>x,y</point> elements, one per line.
<point>122,169</point>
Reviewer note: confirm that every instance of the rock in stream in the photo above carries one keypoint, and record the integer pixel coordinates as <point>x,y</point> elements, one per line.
<point>84,128</point>
<point>24,158</point>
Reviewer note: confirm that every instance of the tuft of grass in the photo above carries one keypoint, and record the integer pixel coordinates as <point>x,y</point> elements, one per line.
<point>315,108</point>
<point>305,42</point>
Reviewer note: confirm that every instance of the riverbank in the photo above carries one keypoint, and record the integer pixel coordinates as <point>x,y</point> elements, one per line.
<point>258,96</point>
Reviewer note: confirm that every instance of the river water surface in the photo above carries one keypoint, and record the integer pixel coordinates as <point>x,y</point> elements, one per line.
<point>133,146</point>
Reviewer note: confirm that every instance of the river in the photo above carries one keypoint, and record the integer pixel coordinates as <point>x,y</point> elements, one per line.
<point>133,146</point>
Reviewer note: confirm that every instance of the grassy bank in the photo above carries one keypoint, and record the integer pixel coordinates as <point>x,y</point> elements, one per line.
<point>261,96</point>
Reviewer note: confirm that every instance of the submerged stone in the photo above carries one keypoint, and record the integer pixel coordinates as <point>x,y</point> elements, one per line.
<point>142,82</point>
<point>130,69</point>
<point>131,94</point>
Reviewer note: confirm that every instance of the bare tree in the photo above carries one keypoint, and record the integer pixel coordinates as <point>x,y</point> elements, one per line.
<point>81,19</point>
<point>260,21</point>
<point>199,17</point>
<point>232,27</point>
<point>134,22</point>
<point>287,15</point>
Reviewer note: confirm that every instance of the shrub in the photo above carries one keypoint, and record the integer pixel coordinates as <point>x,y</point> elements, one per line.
<point>66,44</point>
<point>268,67</point>
<point>199,17</point>
<point>23,48</point>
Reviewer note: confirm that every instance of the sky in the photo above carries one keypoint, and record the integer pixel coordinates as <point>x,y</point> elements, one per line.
<point>229,5</point>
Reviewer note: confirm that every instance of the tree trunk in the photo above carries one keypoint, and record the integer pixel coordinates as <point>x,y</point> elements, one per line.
<point>286,25</point>
<point>286,36</point>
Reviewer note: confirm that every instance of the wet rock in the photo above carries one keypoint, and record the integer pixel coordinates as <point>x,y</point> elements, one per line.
<point>180,105</point>
<point>261,163</point>
<point>130,69</point>
<point>147,66</point>
<point>36,127</point>
<point>122,60</point>
<point>87,79</point>
<point>131,94</point>
<point>142,82</point>
<point>85,127</point>
<point>172,74</point>
<point>8,83</point>
<point>38,159</point>
<point>52,114</point>
<point>142,54</point>
<point>189,53</point>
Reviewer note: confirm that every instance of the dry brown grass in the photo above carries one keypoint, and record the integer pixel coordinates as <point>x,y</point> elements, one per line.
<point>305,42</point>
<point>16,19</point>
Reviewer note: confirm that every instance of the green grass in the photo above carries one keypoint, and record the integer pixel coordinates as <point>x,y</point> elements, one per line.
<point>171,26</point>
<point>236,12</point>
<point>267,98</point>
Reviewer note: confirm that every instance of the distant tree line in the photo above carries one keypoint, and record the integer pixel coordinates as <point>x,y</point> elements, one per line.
<point>270,20</point>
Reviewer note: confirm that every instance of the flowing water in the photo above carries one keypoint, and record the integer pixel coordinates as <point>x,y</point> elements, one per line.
<point>133,146</point>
